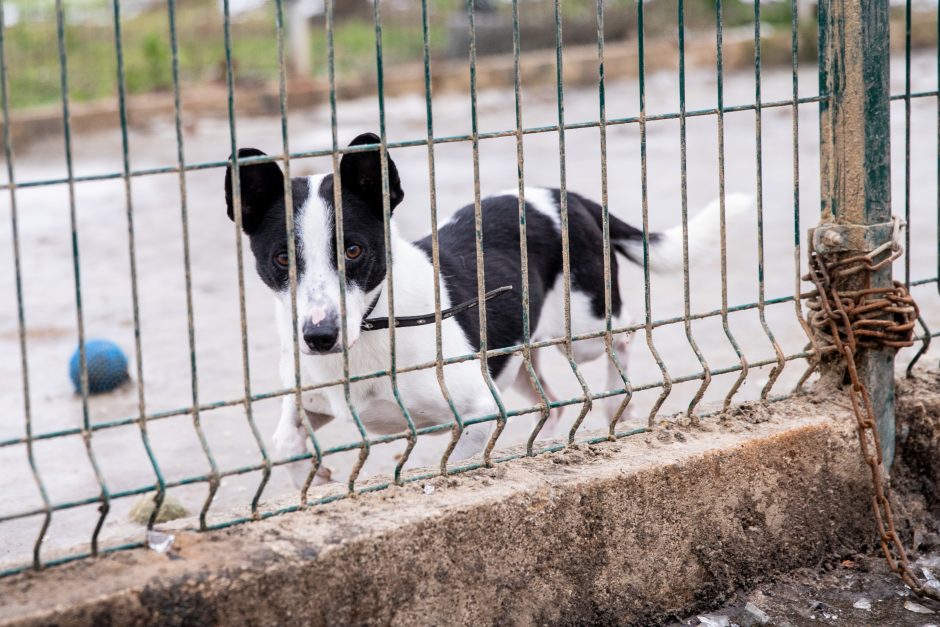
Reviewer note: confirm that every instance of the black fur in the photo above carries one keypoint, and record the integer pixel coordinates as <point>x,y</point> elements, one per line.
<point>264,220</point>
<point>263,215</point>
<point>262,185</point>
<point>502,263</point>
<point>361,173</point>
<point>363,226</point>
<point>620,231</point>
<point>586,246</point>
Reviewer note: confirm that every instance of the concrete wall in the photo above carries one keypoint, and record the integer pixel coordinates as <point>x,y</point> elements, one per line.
<point>627,532</point>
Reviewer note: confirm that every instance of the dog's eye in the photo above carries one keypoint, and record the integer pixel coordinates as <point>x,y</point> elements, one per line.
<point>353,251</point>
<point>282,259</point>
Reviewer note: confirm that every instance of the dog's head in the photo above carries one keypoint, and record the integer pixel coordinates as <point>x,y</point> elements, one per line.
<point>318,285</point>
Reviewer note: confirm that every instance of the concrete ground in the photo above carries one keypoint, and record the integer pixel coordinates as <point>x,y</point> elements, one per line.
<point>102,233</point>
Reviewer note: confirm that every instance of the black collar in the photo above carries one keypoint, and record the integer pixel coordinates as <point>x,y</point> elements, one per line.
<point>374,324</point>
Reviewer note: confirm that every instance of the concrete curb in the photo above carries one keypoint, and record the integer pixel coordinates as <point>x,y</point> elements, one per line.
<point>629,532</point>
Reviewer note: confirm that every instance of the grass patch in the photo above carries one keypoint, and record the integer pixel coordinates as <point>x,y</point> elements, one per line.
<point>33,60</point>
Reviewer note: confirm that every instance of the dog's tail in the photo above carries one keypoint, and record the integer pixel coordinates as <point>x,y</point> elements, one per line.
<point>665,247</point>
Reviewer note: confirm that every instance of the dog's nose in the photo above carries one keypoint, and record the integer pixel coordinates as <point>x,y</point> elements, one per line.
<point>321,337</point>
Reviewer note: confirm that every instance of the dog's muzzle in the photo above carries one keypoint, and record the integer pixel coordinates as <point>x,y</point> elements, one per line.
<point>321,331</point>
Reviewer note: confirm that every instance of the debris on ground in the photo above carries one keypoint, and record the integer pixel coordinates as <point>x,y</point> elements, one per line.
<point>863,604</point>
<point>917,608</point>
<point>714,620</point>
<point>851,592</point>
<point>861,590</point>
<point>159,541</point>
<point>758,616</point>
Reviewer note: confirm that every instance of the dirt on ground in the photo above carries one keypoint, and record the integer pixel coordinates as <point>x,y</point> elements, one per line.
<point>860,589</point>
<point>855,591</point>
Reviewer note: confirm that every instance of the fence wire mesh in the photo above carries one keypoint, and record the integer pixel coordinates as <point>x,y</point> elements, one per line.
<point>76,461</point>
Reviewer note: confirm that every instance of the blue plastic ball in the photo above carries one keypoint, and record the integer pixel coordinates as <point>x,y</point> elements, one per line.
<point>107,366</point>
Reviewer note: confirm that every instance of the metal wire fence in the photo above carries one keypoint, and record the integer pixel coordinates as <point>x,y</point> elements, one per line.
<point>259,463</point>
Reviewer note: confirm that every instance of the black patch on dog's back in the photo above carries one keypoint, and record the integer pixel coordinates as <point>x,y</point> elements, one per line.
<point>586,246</point>
<point>502,264</point>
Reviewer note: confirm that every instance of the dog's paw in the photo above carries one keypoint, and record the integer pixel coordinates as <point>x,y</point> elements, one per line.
<point>324,475</point>
<point>299,471</point>
<point>289,440</point>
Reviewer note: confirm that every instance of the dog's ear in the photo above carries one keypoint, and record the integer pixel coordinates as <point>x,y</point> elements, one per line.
<point>361,174</point>
<point>262,184</point>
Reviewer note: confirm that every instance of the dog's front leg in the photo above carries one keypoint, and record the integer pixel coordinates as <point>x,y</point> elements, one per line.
<point>289,435</point>
<point>290,440</point>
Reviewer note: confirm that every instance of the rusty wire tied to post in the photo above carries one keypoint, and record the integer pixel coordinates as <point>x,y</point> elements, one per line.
<point>844,321</point>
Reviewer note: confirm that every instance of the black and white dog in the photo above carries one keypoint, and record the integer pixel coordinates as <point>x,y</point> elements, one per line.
<point>318,291</point>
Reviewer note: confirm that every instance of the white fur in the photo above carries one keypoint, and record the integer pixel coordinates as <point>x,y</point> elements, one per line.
<point>373,399</point>
<point>318,288</point>
<point>665,255</point>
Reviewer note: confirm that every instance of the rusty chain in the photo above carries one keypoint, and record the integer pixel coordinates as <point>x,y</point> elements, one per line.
<point>844,321</point>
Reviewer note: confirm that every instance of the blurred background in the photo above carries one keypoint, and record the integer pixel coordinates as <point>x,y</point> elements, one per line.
<point>34,59</point>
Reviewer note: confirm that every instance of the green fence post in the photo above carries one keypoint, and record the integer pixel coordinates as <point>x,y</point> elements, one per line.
<point>855,168</point>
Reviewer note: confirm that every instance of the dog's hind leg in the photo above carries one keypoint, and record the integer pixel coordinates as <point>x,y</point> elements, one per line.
<point>523,385</point>
<point>472,441</point>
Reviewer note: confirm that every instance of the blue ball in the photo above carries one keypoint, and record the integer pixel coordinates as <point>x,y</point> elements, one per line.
<point>107,366</point>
